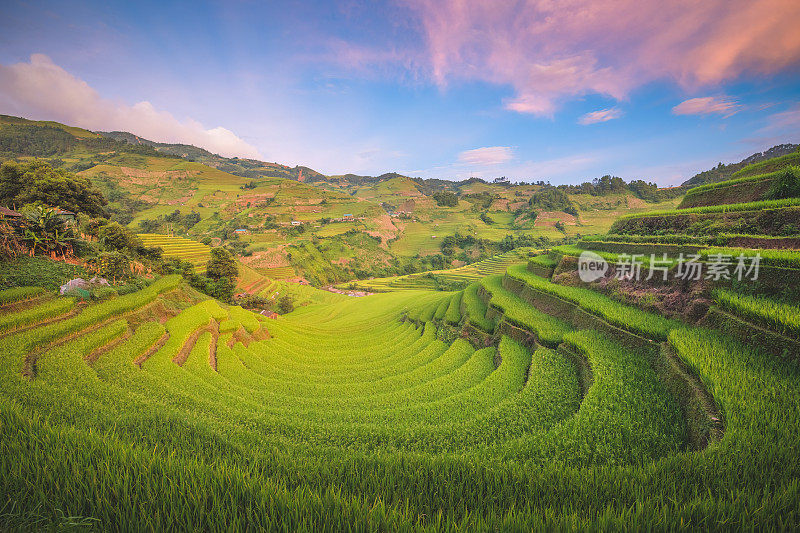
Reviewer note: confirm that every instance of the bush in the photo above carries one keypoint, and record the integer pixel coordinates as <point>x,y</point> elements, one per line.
<point>38,271</point>
<point>253,301</point>
<point>786,185</point>
<point>285,305</point>
<point>104,293</point>
<point>113,265</point>
<point>446,199</point>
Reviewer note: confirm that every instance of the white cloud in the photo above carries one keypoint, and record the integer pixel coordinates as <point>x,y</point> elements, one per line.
<point>489,155</point>
<point>41,89</point>
<point>601,115</point>
<point>707,105</point>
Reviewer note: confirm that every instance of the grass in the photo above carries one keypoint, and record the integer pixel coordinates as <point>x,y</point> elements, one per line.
<point>768,256</point>
<point>781,317</point>
<point>453,313</point>
<point>38,271</point>
<point>544,261</point>
<point>194,252</point>
<point>347,418</point>
<point>435,279</point>
<point>39,313</point>
<point>724,184</point>
<point>777,258</point>
<point>769,165</point>
<point>623,316</point>
<point>475,308</point>
<point>727,208</point>
<point>550,331</point>
<point>18,294</point>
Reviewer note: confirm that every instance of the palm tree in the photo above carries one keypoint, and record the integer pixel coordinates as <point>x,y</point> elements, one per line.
<point>45,229</point>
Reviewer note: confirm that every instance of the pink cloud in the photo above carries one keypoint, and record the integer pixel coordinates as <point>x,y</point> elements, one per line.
<point>489,155</point>
<point>549,51</point>
<point>41,89</point>
<point>707,105</point>
<point>785,121</point>
<point>601,115</point>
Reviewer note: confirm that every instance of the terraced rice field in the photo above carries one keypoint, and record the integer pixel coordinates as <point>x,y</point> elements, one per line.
<point>462,275</point>
<point>156,410</point>
<point>285,272</point>
<point>300,294</point>
<point>194,252</point>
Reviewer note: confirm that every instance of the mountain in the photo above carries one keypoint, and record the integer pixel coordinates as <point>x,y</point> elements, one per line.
<point>247,168</point>
<point>724,172</point>
<point>284,221</point>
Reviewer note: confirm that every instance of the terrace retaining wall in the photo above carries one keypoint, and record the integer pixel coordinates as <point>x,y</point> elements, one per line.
<point>762,222</point>
<point>752,334</point>
<point>572,313</point>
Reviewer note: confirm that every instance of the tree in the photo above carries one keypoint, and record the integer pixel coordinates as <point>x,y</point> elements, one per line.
<point>285,305</point>
<point>39,183</point>
<point>221,289</point>
<point>446,199</point>
<point>44,230</point>
<point>175,216</point>
<point>117,237</point>
<point>222,265</point>
<point>191,219</point>
<point>113,266</point>
<point>552,199</point>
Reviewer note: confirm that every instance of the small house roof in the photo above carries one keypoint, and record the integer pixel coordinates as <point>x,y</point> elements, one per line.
<point>8,212</point>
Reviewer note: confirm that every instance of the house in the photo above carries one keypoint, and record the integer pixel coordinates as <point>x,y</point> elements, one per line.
<point>273,315</point>
<point>296,222</point>
<point>7,215</point>
<point>241,231</point>
<point>68,217</point>
<point>347,216</point>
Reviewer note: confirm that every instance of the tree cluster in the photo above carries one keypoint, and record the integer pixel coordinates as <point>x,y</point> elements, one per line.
<point>37,183</point>
<point>552,199</point>
<point>446,199</point>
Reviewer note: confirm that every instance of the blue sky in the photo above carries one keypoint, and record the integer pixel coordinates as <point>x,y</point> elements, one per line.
<point>431,89</point>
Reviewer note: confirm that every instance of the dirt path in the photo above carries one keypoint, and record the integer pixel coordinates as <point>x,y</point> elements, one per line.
<point>153,349</point>
<point>183,354</point>
<point>212,350</point>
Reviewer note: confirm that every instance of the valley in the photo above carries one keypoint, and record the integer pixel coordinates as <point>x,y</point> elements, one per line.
<point>394,354</point>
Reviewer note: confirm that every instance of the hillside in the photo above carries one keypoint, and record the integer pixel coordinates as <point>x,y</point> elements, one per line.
<point>723,172</point>
<point>326,229</point>
<point>247,168</point>
<point>489,385</point>
<point>539,392</point>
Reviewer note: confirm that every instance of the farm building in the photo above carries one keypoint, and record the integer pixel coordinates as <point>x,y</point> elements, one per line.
<point>7,215</point>
<point>68,217</point>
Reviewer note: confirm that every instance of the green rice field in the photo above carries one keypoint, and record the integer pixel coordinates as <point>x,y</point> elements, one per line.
<point>161,409</point>
<point>186,249</point>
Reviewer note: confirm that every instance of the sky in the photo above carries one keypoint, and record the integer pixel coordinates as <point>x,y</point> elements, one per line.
<point>561,91</point>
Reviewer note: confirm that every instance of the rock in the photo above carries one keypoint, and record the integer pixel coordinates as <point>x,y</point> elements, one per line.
<point>77,283</point>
